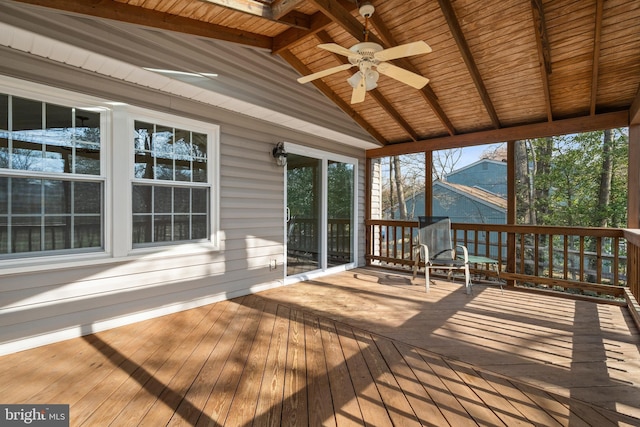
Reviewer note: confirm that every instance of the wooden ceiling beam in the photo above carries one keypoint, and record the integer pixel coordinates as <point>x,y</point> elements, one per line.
<point>280,8</point>
<point>109,9</point>
<point>376,94</point>
<point>294,36</point>
<point>343,17</point>
<point>544,52</point>
<point>286,15</point>
<point>463,47</point>
<point>326,90</point>
<point>536,130</point>
<point>597,37</point>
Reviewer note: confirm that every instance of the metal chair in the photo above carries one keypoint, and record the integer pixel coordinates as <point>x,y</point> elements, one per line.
<point>436,248</point>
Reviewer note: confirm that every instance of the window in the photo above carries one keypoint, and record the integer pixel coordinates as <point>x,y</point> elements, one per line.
<point>171,188</point>
<point>51,185</point>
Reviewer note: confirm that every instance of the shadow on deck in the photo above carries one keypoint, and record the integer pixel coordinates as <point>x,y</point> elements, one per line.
<point>363,347</point>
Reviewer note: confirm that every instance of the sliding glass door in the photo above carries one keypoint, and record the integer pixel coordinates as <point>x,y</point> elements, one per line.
<point>320,223</point>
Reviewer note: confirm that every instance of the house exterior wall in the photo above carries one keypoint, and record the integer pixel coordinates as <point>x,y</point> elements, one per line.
<point>490,175</point>
<point>43,301</point>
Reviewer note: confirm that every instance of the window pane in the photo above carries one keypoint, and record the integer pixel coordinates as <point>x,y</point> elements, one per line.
<point>162,200</point>
<point>4,207</point>
<point>181,225</point>
<point>199,145</point>
<point>88,160</point>
<point>163,169</point>
<point>142,229</point>
<point>87,197</point>
<point>4,150</point>
<point>199,148</point>
<point>26,196</point>
<point>88,231</point>
<point>199,227</point>
<point>200,202</point>
<point>182,199</point>
<point>57,197</point>
<point>143,150</point>
<point>25,233</point>
<point>4,235</point>
<point>183,170</point>
<point>27,134</point>
<point>162,228</point>
<point>4,112</point>
<point>58,139</point>
<point>183,155</point>
<point>163,149</point>
<point>340,181</point>
<point>27,114</point>
<point>87,127</point>
<point>4,195</point>
<point>57,232</point>
<point>182,147</point>
<point>4,131</point>
<point>142,198</point>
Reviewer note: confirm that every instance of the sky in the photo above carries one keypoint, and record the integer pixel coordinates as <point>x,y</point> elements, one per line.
<point>473,154</point>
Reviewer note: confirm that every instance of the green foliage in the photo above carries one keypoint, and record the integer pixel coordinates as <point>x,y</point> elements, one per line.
<point>567,179</point>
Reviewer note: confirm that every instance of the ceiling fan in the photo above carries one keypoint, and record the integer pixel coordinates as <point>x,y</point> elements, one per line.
<point>371,60</point>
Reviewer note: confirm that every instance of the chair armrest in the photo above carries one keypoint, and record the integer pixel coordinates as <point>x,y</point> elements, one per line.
<point>465,253</point>
<point>422,248</point>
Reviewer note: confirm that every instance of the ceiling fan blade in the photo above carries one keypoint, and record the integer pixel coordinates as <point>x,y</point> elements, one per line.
<point>403,50</point>
<point>359,91</point>
<point>336,48</point>
<point>407,77</point>
<point>324,73</point>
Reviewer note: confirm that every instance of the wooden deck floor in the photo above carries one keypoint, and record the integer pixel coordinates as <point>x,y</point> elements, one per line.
<point>363,347</point>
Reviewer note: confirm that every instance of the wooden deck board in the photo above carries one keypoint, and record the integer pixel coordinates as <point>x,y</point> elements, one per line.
<point>357,348</point>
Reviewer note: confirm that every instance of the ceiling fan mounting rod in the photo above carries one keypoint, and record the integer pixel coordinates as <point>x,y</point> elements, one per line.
<point>366,10</point>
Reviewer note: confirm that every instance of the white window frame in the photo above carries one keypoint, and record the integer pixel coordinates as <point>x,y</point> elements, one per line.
<point>51,95</point>
<point>116,173</point>
<point>123,135</point>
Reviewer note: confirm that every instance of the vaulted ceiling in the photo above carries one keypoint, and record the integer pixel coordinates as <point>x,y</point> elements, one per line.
<point>495,65</point>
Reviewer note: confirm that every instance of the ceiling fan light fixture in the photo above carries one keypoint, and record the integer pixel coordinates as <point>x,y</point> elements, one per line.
<point>371,79</point>
<point>355,79</point>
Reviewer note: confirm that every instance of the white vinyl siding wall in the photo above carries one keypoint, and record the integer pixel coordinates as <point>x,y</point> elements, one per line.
<point>43,302</point>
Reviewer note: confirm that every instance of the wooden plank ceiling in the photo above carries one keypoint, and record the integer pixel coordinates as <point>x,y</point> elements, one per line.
<point>495,65</point>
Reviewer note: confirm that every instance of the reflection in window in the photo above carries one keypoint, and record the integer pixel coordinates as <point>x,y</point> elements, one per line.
<point>169,212</point>
<point>49,214</point>
<point>49,138</point>
<point>166,153</point>
<point>61,209</point>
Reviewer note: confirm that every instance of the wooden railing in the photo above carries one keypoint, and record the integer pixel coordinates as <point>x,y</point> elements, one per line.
<point>303,238</point>
<point>587,261</point>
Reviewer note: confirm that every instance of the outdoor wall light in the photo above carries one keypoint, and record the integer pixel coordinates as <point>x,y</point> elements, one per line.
<point>279,154</point>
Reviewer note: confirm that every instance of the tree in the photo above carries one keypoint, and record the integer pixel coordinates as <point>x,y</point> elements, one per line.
<point>573,180</point>
<point>444,162</point>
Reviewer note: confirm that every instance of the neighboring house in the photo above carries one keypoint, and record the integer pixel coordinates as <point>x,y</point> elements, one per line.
<point>490,175</point>
<point>473,194</point>
<point>468,204</point>
<point>127,194</point>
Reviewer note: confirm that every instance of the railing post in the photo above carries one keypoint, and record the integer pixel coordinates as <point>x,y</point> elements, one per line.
<point>511,255</point>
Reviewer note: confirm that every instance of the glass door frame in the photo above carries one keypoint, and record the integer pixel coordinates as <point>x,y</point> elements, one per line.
<point>325,157</point>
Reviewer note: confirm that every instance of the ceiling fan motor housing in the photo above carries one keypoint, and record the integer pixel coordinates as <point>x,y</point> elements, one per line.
<point>366,10</point>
